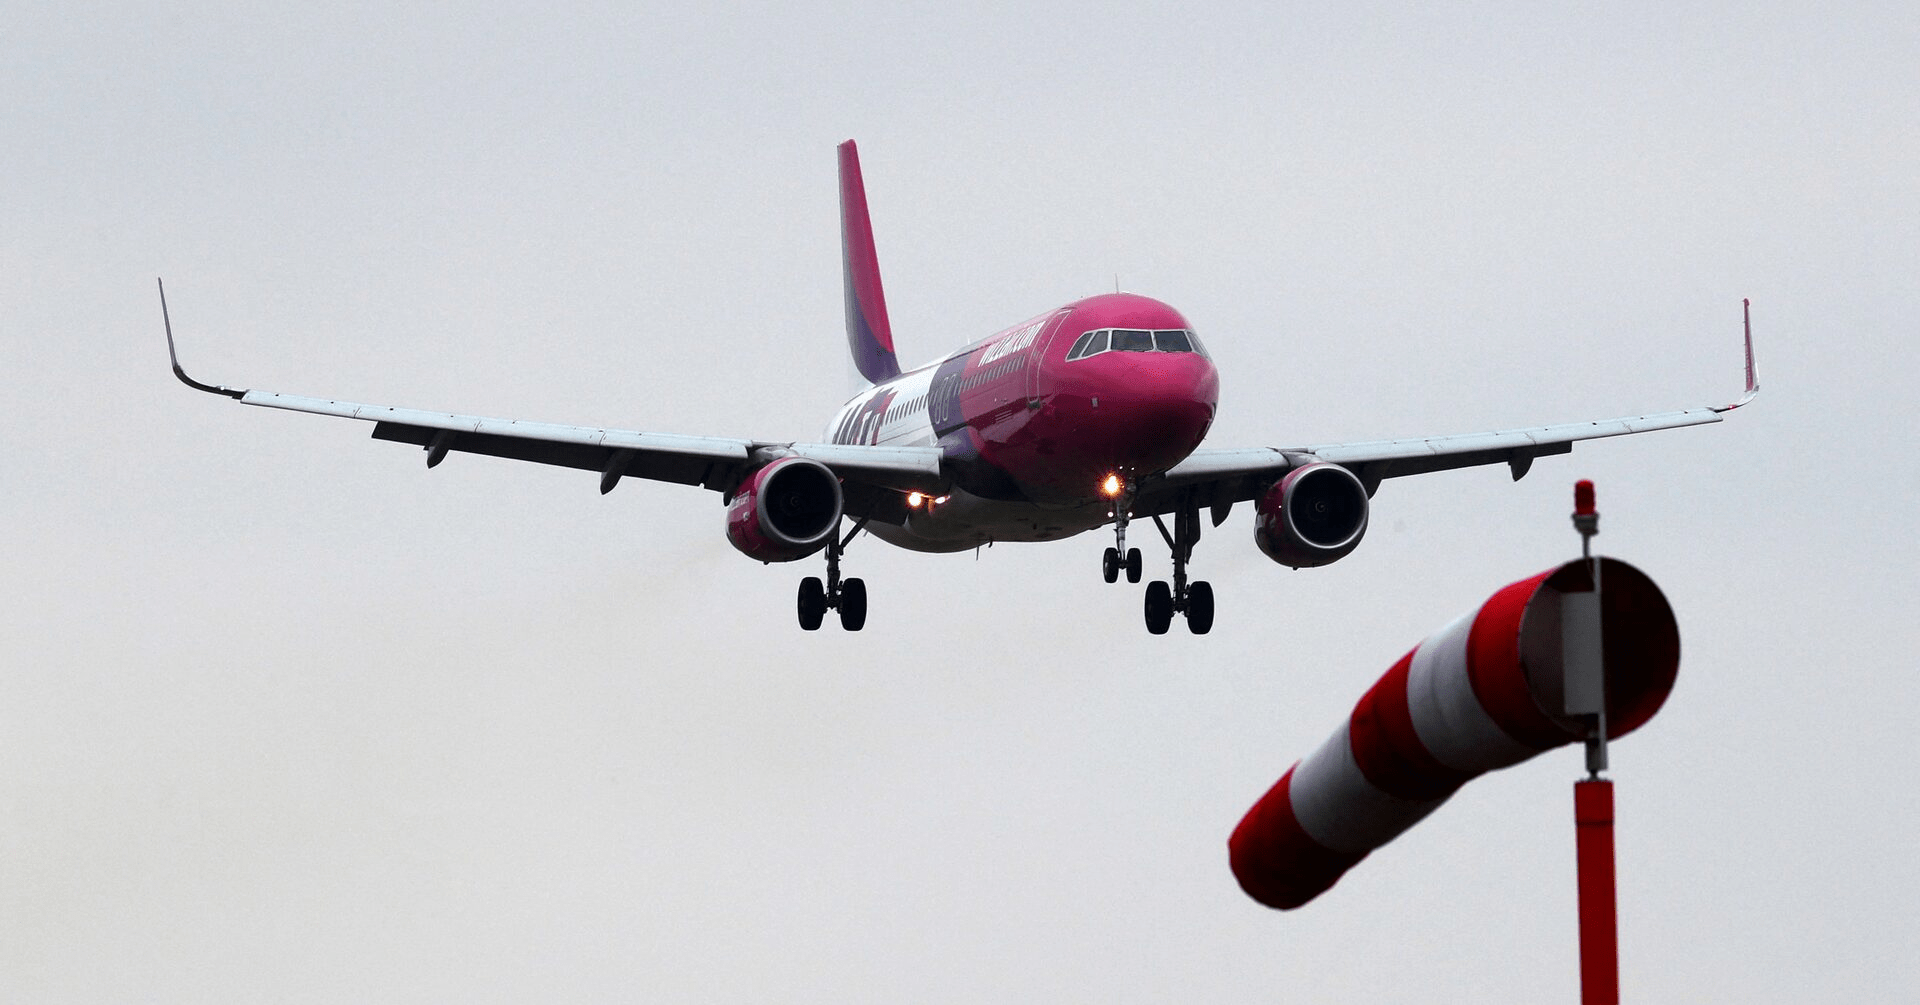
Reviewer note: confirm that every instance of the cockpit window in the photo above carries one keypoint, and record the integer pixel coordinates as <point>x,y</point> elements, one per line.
<point>1094,343</point>
<point>1174,340</point>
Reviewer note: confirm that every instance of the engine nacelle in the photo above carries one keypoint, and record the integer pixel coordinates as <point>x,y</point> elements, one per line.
<point>1315,515</point>
<point>785,511</point>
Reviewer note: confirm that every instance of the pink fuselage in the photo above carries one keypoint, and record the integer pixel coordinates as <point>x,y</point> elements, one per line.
<point>1031,436</point>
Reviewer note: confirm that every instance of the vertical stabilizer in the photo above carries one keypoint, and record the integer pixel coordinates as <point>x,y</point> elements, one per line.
<point>869,336</point>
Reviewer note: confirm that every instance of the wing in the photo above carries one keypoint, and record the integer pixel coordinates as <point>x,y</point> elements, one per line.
<point>874,477</point>
<point>1220,478</point>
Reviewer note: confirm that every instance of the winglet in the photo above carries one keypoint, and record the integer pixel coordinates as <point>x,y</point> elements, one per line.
<point>1753,381</point>
<point>178,371</point>
<point>869,335</point>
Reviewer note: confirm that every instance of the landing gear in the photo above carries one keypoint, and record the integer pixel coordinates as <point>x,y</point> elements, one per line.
<point>1120,556</point>
<point>813,603</point>
<point>849,596</point>
<point>1195,600</point>
<point>1159,607</point>
<point>1163,601</point>
<point>853,604</point>
<point>1200,607</point>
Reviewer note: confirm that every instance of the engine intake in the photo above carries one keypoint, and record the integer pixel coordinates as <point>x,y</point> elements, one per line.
<point>1316,515</point>
<point>785,511</point>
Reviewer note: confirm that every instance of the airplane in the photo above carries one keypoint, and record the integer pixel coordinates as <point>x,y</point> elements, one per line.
<point>1086,415</point>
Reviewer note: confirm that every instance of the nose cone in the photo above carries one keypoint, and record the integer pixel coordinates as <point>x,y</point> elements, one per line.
<point>1153,414</point>
<point>1128,413</point>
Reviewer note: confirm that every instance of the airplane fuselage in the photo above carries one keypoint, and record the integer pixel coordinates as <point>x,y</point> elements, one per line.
<point>1034,419</point>
<point>1081,417</point>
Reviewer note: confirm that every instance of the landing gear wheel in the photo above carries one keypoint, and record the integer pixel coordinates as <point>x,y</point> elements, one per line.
<point>1110,566</point>
<point>848,596</point>
<point>853,604</point>
<point>1159,607</point>
<point>1200,607</point>
<point>1133,565</point>
<point>813,603</point>
<point>1190,599</point>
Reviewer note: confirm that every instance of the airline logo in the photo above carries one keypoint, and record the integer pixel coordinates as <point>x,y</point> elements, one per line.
<point>862,424</point>
<point>1018,339</point>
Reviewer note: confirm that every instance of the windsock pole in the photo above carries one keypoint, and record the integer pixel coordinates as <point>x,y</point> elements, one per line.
<point>1582,659</point>
<point>1592,797</point>
<point>1599,928</point>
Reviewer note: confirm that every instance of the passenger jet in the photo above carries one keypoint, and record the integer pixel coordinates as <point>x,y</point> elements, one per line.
<point>1086,415</point>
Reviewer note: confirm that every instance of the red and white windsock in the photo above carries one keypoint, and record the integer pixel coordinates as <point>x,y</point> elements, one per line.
<point>1485,692</point>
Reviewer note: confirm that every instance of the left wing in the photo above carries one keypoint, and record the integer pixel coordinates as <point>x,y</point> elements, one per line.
<point>1220,478</point>
<point>875,478</point>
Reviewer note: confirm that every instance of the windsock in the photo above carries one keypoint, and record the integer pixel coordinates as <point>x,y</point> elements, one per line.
<point>1485,692</point>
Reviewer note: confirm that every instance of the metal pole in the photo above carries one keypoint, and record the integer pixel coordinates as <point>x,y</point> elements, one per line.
<point>1583,653</point>
<point>1599,926</point>
<point>1586,520</point>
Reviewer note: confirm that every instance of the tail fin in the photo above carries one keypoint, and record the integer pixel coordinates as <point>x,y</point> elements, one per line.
<point>869,335</point>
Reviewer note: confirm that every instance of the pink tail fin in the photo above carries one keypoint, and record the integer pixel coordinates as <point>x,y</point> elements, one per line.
<point>869,336</point>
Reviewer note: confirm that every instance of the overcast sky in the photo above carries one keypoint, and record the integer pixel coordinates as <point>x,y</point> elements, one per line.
<point>284,717</point>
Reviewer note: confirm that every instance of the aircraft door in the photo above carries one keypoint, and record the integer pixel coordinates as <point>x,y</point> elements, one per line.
<point>1039,352</point>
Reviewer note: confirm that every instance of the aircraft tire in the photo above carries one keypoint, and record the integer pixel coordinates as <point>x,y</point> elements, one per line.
<point>1159,607</point>
<point>1200,607</point>
<point>812,603</point>
<point>1133,565</point>
<point>853,604</point>
<point>1110,565</point>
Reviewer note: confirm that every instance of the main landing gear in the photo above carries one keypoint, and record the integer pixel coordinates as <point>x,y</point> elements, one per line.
<point>1195,600</point>
<point>849,597</point>
<point>1163,601</point>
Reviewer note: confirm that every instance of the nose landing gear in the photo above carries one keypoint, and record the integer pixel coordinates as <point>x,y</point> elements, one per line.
<point>849,597</point>
<point>1120,556</point>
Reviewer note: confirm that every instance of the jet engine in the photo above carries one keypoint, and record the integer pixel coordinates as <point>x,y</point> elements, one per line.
<point>1315,515</point>
<point>785,511</point>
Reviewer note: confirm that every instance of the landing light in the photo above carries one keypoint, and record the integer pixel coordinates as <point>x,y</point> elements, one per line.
<point>1111,486</point>
<point>914,499</point>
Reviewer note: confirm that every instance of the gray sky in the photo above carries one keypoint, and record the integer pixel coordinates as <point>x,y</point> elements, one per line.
<point>284,717</point>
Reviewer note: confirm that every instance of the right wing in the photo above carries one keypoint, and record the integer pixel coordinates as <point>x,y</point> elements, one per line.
<point>1220,478</point>
<point>875,478</point>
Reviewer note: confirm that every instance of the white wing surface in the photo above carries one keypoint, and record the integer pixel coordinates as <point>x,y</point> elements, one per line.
<point>874,476</point>
<point>1220,478</point>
